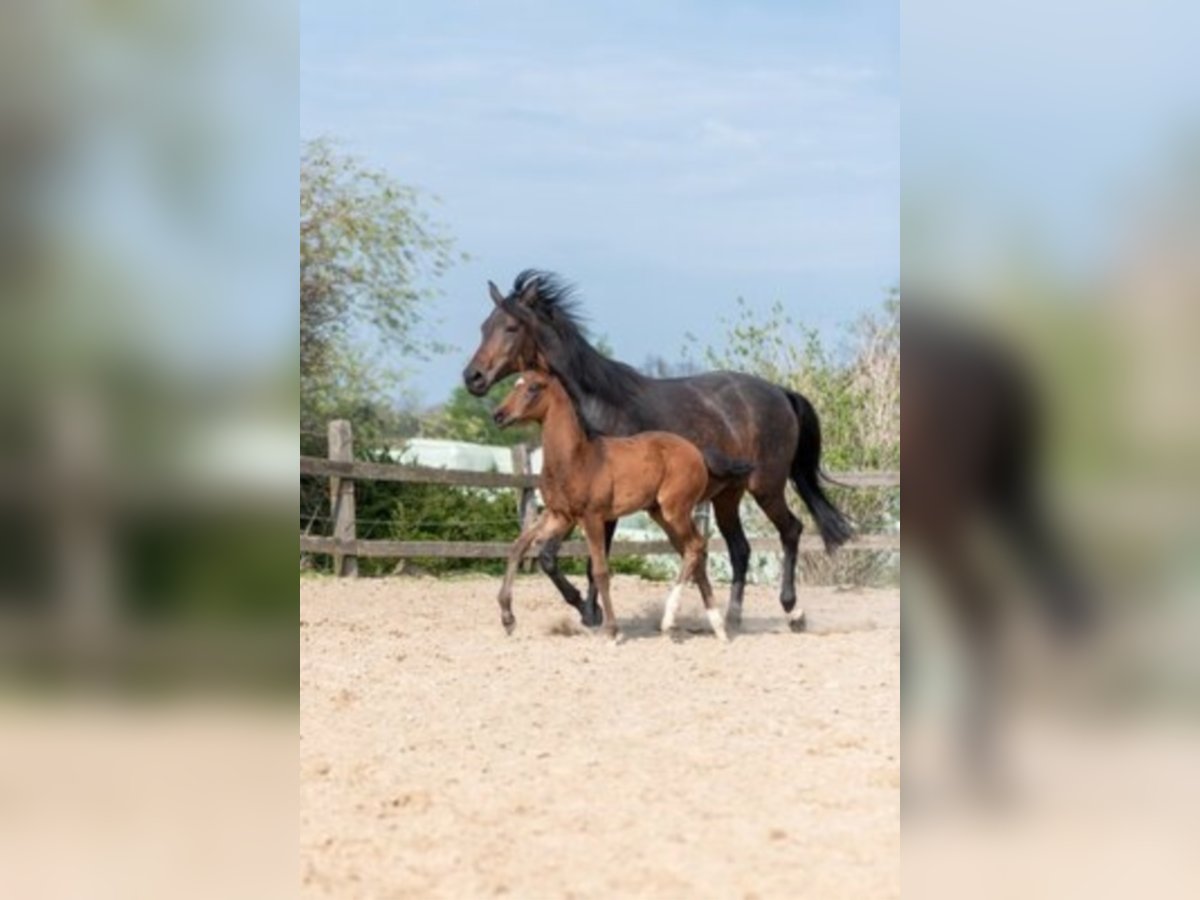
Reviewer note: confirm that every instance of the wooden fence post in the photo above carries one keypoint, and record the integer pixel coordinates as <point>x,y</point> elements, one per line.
<point>341,496</point>
<point>526,502</point>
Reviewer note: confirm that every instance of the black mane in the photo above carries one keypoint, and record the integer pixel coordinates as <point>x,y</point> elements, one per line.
<point>557,301</point>
<point>602,389</point>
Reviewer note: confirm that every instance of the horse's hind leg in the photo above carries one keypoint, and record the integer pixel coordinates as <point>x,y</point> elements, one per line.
<point>729,523</point>
<point>774,504</point>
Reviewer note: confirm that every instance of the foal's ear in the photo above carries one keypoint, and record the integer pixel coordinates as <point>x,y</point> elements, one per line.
<point>497,297</point>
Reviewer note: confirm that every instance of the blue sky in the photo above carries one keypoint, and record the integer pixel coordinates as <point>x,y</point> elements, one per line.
<point>667,157</point>
<point>1042,125</point>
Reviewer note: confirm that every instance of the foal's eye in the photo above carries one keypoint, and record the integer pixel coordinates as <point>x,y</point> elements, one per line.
<point>512,329</point>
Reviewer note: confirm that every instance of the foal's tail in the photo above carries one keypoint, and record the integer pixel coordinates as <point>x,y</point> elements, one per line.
<point>806,475</point>
<point>721,466</point>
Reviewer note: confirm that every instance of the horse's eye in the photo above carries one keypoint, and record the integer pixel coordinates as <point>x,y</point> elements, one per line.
<point>512,329</point>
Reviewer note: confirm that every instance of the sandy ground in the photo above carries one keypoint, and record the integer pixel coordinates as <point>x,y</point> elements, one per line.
<point>440,758</point>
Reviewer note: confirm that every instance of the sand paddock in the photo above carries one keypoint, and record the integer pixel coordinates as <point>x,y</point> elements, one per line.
<point>440,758</point>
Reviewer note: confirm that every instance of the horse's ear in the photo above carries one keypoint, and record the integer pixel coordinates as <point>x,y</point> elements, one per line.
<point>497,297</point>
<point>529,294</point>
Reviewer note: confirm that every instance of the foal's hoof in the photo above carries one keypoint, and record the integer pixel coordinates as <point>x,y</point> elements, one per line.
<point>797,621</point>
<point>509,621</point>
<point>717,621</point>
<point>733,616</point>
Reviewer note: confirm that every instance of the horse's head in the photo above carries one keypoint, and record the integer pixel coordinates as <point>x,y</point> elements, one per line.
<point>507,344</point>
<point>528,401</point>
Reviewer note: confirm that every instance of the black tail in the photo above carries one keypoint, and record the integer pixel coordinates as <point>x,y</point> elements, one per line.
<point>721,466</point>
<point>806,472</point>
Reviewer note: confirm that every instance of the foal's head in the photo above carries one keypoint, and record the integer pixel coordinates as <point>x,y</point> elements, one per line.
<point>530,399</point>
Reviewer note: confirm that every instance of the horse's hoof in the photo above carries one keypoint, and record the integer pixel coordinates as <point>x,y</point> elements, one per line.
<point>509,622</point>
<point>733,617</point>
<point>797,621</point>
<point>591,618</point>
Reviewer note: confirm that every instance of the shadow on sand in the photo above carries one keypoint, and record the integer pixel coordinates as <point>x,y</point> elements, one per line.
<point>644,626</point>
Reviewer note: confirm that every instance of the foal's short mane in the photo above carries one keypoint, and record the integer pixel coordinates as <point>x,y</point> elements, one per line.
<point>580,365</point>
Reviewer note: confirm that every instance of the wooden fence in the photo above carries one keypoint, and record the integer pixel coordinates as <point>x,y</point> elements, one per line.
<point>343,470</point>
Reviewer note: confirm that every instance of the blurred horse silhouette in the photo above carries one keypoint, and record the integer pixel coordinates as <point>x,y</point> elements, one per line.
<point>971,434</point>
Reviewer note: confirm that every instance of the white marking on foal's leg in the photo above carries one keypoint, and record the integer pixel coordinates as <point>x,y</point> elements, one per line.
<point>717,619</point>
<point>668,619</point>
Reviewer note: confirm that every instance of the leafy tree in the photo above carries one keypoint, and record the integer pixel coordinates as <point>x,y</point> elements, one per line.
<point>856,394</point>
<point>368,258</point>
<point>657,366</point>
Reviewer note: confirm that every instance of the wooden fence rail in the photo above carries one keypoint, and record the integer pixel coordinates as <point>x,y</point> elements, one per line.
<point>342,472</point>
<point>369,471</point>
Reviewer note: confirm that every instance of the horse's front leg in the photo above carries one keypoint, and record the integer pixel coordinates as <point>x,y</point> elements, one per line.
<point>548,560</point>
<point>595,531</point>
<point>591,614</point>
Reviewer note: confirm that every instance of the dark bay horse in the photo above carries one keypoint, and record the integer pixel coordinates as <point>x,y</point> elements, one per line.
<point>595,480</point>
<point>537,326</point>
<point>973,436</point>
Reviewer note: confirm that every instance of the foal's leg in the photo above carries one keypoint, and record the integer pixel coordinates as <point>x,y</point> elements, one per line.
<point>774,504</point>
<point>725,510</point>
<point>695,563</point>
<point>595,530</point>
<point>672,605</point>
<point>546,526</point>
<point>590,614</point>
<point>711,609</point>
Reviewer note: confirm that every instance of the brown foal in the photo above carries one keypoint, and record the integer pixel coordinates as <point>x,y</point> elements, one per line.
<point>593,481</point>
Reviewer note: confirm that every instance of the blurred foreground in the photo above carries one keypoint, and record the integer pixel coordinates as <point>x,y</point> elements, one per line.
<point>148,657</point>
<point>1052,452</point>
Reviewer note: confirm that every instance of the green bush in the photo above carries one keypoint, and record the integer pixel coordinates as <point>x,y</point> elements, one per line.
<point>856,393</point>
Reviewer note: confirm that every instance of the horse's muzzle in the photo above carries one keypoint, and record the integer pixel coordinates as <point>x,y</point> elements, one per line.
<point>475,381</point>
